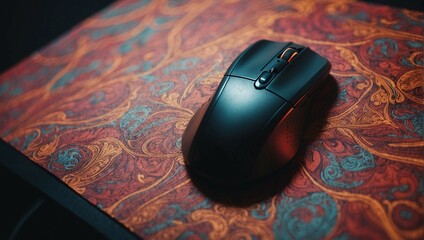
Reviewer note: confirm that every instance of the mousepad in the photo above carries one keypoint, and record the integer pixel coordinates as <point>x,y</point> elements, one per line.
<point>103,108</point>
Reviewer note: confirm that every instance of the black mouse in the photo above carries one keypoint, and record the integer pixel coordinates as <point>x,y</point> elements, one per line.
<point>254,122</point>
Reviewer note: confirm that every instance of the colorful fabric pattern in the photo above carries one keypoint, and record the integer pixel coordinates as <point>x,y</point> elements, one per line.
<point>104,107</point>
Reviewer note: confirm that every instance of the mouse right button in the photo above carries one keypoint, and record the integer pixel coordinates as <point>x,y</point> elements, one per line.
<point>302,74</point>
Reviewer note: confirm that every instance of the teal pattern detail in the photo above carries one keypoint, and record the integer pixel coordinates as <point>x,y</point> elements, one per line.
<point>406,214</point>
<point>384,47</point>
<point>4,87</point>
<point>149,78</point>
<point>165,19</point>
<point>262,213</point>
<point>160,88</point>
<point>132,120</point>
<point>111,30</point>
<point>28,139</point>
<point>343,95</point>
<point>182,65</point>
<point>400,188</point>
<point>362,16</point>
<point>70,76</point>
<point>418,123</point>
<point>416,118</point>
<point>192,235</point>
<point>145,66</point>
<point>172,212</point>
<point>125,48</point>
<point>178,143</point>
<point>68,158</point>
<point>117,11</point>
<point>415,44</point>
<point>140,39</point>
<point>16,91</point>
<point>311,217</point>
<point>352,80</point>
<point>12,87</point>
<point>405,62</point>
<point>410,20</point>
<point>97,97</point>
<point>174,3</point>
<point>11,91</point>
<point>343,236</point>
<point>358,162</point>
<point>48,129</point>
<point>159,122</point>
<point>362,160</point>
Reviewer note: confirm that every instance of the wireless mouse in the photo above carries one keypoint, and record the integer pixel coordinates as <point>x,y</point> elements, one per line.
<point>253,124</point>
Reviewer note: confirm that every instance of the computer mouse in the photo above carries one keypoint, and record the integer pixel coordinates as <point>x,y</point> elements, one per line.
<point>253,123</point>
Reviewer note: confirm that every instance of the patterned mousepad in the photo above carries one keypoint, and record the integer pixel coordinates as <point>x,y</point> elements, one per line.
<point>103,108</point>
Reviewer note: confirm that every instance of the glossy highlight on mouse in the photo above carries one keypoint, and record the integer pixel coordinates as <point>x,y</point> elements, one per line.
<point>253,124</point>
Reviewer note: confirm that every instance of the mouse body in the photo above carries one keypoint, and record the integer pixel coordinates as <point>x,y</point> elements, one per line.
<point>253,124</point>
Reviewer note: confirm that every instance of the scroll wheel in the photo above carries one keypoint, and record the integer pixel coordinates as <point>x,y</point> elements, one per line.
<point>288,54</point>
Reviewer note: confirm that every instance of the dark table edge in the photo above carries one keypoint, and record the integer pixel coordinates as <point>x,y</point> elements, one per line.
<point>52,187</point>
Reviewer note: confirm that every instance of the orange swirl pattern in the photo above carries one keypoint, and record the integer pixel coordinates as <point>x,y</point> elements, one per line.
<point>104,107</point>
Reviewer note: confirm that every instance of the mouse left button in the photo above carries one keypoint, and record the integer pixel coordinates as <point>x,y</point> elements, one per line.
<point>250,63</point>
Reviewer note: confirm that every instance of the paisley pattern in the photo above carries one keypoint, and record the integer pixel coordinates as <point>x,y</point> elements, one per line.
<point>104,107</point>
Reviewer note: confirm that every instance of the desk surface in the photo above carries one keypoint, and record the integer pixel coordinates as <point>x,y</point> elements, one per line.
<point>103,109</point>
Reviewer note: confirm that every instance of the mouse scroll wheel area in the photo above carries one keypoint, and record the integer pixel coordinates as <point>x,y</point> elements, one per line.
<point>285,57</point>
<point>275,66</point>
<point>289,54</point>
